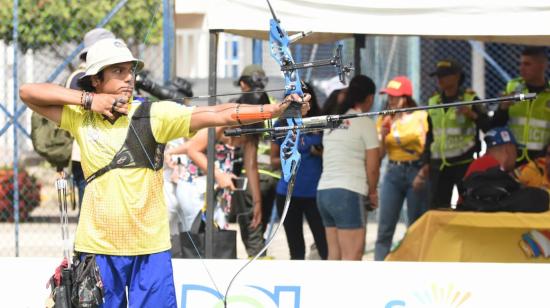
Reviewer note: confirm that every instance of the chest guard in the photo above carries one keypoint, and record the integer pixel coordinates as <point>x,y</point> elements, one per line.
<point>140,149</point>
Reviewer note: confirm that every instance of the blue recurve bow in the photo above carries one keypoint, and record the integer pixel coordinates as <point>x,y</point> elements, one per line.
<point>290,156</point>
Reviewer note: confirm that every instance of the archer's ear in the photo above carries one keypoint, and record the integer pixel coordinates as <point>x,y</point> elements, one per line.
<point>94,80</point>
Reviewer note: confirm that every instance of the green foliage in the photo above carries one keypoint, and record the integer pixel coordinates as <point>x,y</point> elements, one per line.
<point>49,23</point>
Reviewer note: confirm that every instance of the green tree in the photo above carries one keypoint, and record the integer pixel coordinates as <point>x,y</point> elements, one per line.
<point>48,24</point>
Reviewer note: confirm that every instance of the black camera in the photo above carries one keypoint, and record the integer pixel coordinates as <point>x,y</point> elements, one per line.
<point>177,90</point>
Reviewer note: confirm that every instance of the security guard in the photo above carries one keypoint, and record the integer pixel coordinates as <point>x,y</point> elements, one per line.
<point>528,121</point>
<point>455,132</point>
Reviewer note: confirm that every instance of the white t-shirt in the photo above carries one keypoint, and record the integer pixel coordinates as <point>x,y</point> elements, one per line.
<point>344,154</point>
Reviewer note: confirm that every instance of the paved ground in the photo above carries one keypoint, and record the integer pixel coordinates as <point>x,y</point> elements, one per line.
<point>42,238</point>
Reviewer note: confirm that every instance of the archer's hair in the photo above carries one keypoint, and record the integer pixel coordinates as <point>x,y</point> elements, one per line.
<point>359,88</point>
<point>86,83</point>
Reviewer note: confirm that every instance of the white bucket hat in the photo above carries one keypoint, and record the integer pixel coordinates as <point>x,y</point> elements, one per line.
<point>108,52</point>
<point>93,36</point>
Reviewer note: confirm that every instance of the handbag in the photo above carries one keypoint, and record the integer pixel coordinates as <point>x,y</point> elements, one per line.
<point>224,242</point>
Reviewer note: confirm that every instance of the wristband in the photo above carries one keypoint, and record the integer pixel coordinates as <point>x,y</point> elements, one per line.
<point>237,114</point>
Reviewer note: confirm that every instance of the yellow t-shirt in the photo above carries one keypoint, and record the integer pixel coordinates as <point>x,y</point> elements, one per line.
<point>123,211</point>
<point>407,136</point>
<point>534,174</point>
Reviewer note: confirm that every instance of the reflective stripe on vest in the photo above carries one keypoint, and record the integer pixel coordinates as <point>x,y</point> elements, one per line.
<point>453,153</point>
<point>529,121</point>
<point>454,134</point>
<point>455,131</point>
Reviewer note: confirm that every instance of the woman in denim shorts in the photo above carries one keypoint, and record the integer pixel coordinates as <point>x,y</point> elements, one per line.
<point>351,164</point>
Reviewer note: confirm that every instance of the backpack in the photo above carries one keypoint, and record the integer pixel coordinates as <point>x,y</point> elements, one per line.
<point>495,190</point>
<point>51,142</point>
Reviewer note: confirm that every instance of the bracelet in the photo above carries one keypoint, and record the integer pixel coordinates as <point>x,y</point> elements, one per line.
<point>237,114</point>
<point>88,99</point>
<point>82,98</point>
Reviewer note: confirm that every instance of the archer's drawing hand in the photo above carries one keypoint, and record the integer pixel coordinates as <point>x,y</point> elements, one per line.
<point>110,104</point>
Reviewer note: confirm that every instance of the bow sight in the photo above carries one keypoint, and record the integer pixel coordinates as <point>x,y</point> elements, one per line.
<point>336,61</point>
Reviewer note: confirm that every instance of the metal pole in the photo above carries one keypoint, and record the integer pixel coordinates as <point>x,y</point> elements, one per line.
<point>359,44</point>
<point>478,71</point>
<point>168,39</point>
<point>298,53</point>
<point>413,67</point>
<point>15,145</point>
<point>478,47</point>
<point>257,52</point>
<point>210,194</point>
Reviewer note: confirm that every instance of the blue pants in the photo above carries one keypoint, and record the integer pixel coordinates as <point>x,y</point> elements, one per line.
<point>149,279</point>
<point>396,187</point>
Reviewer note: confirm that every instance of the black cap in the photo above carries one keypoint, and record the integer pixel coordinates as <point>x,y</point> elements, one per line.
<point>446,67</point>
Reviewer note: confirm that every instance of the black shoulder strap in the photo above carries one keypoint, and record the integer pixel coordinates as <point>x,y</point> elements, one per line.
<point>140,149</point>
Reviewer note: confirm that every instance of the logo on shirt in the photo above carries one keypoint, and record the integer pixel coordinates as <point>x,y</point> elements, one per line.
<point>93,135</point>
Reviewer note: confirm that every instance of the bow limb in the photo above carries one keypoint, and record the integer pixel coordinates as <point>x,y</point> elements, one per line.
<point>290,157</point>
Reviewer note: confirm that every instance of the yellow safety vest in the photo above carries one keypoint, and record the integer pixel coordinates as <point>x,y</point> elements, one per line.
<point>529,121</point>
<point>454,134</point>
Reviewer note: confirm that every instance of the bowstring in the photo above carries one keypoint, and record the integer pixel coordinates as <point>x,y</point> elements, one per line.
<point>153,17</point>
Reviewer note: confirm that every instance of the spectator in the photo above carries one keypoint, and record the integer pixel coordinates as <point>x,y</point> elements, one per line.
<point>223,173</point>
<point>351,166</point>
<point>488,185</point>
<point>536,173</point>
<point>405,138</point>
<point>184,186</point>
<point>249,205</point>
<point>455,132</point>
<point>303,201</point>
<point>239,152</point>
<point>501,152</point>
<point>528,121</point>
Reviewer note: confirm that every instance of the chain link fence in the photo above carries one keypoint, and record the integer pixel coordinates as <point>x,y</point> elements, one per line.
<point>42,44</point>
<point>487,68</point>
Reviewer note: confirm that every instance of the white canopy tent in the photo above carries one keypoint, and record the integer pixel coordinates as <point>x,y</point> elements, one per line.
<point>506,21</point>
